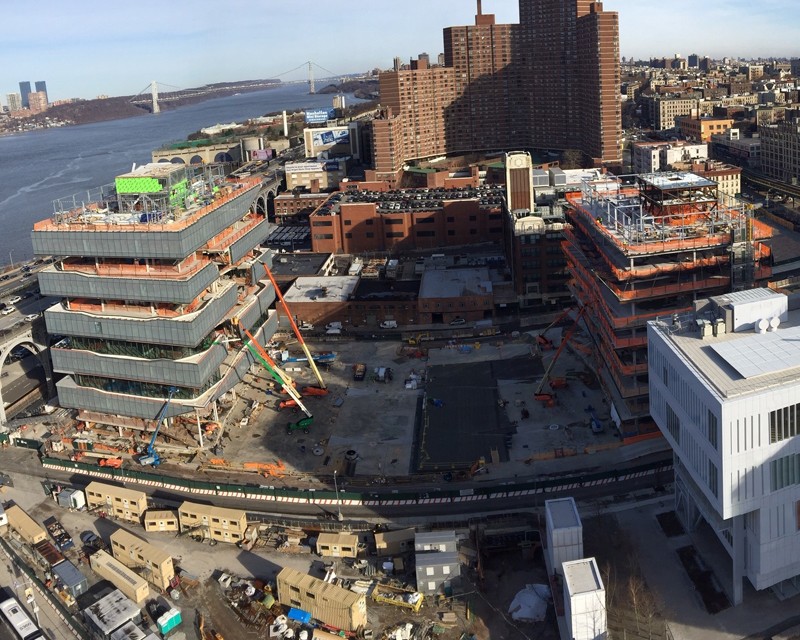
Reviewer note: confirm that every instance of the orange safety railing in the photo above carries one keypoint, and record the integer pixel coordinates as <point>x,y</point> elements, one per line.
<point>647,292</point>
<point>225,195</point>
<point>648,246</point>
<point>186,268</point>
<point>226,238</point>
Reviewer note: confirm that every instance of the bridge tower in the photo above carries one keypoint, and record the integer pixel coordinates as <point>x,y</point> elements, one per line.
<point>154,93</point>
<point>311,88</point>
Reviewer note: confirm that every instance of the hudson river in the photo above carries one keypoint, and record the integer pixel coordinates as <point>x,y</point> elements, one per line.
<point>41,166</point>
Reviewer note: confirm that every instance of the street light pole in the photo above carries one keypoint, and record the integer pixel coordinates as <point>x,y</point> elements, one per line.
<point>338,504</point>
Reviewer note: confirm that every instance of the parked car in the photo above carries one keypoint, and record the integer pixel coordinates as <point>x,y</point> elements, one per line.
<point>389,324</point>
<point>334,325</point>
<point>8,309</point>
<point>458,321</point>
<point>31,317</point>
<point>305,326</point>
<point>14,300</point>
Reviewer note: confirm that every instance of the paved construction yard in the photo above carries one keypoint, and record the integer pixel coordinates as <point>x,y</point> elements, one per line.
<point>441,412</point>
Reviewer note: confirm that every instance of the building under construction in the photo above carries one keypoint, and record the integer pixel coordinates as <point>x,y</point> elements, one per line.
<point>149,272</point>
<point>649,246</point>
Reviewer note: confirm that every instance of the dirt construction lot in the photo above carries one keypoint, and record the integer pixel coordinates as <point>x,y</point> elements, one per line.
<point>372,428</point>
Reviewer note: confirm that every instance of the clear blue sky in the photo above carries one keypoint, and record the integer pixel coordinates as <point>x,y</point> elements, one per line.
<point>90,47</point>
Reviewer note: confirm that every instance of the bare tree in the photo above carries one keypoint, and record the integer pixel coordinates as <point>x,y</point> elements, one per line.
<point>636,592</point>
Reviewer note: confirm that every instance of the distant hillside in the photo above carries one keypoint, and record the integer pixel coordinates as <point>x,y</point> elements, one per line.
<point>100,110</point>
<point>363,89</point>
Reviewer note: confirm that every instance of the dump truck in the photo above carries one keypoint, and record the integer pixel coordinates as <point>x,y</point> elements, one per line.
<point>388,594</point>
<point>57,532</point>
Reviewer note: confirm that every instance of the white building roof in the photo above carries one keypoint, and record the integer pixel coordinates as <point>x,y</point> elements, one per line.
<point>322,289</point>
<point>582,576</point>
<point>111,611</point>
<point>454,283</point>
<point>563,513</point>
<point>742,362</point>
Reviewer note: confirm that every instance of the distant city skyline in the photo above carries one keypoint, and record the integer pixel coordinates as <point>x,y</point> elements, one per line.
<point>117,49</point>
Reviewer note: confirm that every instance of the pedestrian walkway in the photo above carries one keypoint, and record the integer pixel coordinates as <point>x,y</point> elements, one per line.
<point>760,615</point>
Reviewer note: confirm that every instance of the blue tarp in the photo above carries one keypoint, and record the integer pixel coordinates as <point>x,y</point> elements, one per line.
<point>299,615</point>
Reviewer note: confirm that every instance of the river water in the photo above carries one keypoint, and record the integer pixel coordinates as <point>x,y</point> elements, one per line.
<point>41,166</point>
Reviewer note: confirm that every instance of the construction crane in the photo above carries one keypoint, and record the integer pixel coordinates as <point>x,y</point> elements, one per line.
<point>296,330</point>
<point>269,364</point>
<point>542,340</point>
<point>150,456</point>
<point>548,399</point>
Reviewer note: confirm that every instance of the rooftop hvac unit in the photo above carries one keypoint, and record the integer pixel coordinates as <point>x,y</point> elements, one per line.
<point>719,327</point>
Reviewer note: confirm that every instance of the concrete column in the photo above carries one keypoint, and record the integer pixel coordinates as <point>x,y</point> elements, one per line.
<point>737,559</point>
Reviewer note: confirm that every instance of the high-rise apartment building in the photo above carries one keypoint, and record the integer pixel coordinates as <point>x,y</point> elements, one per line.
<point>37,101</point>
<point>550,82</point>
<point>41,87</point>
<point>24,90</point>
<point>780,148</point>
<point>14,102</point>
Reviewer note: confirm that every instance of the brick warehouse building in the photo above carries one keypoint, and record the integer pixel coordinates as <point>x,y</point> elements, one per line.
<point>364,221</point>
<point>550,82</point>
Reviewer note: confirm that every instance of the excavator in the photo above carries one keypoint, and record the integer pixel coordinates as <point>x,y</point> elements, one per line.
<point>150,456</point>
<point>549,399</point>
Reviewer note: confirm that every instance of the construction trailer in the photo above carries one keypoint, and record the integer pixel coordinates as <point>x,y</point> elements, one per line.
<point>124,504</point>
<point>391,543</point>
<point>213,523</point>
<point>425,541</point>
<point>68,575</point>
<point>337,607</point>
<point>647,246</point>
<point>164,520</point>
<point>24,526</point>
<point>154,564</point>
<point>337,545</point>
<point>437,572</point>
<point>124,579</point>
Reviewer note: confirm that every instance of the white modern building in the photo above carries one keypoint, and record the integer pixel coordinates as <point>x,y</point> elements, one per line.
<point>584,600</point>
<point>649,157</point>
<point>564,532</point>
<point>725,392</point>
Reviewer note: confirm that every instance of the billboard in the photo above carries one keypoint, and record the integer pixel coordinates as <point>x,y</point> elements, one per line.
<point>330,137</point>
<point>319,116</point>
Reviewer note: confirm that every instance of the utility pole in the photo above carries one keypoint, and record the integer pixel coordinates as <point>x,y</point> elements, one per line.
<point>338,504</point>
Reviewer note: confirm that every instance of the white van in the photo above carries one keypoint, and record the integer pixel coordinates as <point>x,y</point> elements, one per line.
<point>334,325</point>
<point>333,332</point>
<point>389,324</point>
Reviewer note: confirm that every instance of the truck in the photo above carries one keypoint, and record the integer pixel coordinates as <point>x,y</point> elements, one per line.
<point>359,371</point>
<point>388,594</point>
<point>59,535</point>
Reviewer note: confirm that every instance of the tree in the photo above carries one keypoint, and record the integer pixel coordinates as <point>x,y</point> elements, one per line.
<point>571,159</point>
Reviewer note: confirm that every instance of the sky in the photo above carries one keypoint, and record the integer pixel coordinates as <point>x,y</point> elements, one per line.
<point>87,48</point>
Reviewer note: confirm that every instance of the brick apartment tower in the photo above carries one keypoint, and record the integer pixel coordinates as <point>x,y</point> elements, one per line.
<point>550,82</point>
